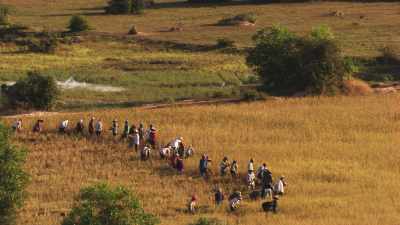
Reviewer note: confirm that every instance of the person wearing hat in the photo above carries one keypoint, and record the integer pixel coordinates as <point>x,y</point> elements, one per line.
<point>279,187</point>
<point>134,139</point>
<point>79,128</point>
<point>91,127</point>
<point>114,128</point>
<point>223,166</point>
<point>266,183</point>
<point>99,128</point>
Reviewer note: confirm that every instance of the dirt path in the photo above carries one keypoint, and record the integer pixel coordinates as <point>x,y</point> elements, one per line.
<point>149,106</point>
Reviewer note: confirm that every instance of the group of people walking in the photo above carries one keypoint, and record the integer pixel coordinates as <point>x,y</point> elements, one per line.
<point>144,140</point>
<point>262,176</point>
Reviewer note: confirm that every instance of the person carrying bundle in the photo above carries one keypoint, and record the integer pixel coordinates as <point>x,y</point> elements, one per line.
<point>234,200</point>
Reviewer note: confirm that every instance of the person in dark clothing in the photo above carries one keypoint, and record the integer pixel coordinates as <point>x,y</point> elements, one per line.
<point>126,131</point>
<point>266,183</point>
<point>219,196</point>
<point>79,128</point>
<point>203,165</point>
<point>91,126</point>
<point>271,206</point>
<point>38,127</point>
<point>152,138</point>
<point>181,150</point>
<point>179,164</point>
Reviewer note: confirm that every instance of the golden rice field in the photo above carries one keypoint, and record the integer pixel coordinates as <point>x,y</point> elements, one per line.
<point>340,156</point>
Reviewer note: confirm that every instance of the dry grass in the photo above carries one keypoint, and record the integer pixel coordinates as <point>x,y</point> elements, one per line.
<point>340,156</point>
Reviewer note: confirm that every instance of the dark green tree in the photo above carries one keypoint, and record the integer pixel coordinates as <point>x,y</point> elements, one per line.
<point>287,63</point>
<point>13,179</point>
<point>34,91</point>
<point>102,205</point>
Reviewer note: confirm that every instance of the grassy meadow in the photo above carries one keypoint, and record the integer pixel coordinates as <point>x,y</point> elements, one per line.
<point>339,154</point>
<point>152,68</point>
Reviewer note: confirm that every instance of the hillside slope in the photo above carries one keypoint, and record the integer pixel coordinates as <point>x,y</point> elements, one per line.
<point>340,156</point>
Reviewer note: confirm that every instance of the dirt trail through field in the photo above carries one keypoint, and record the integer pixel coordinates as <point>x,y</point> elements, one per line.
<point>149,106</point>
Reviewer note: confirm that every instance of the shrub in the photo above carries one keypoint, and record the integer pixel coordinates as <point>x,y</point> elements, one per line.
<point>13,179</point>
<point>35,91</point>
<point>251,95</point>
<point>238,19</point>
<point>42,45</point>
<point>78,24</point>
<point>207,221</point>
<point>125,6</point>
<point>225,43</point>
<point>101,204</point>
<point>288,64</point>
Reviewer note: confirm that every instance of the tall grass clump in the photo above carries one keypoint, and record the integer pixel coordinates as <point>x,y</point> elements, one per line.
<point>103,205</point>
<point>289,64</point>
<point>13,179</point>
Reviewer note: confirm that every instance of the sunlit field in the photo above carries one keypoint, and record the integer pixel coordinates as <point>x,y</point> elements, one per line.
<point>340,156</point>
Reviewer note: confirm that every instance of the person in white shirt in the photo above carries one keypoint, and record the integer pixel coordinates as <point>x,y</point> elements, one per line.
<point>17,126</point>
<point>176,142</point>
<point>279,187</point>
<point>63,126</point>
<point>251,180</point>
<point>250,166</point>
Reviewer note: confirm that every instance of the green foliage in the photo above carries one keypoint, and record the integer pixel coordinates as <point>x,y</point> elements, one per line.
<point>125,6</point>
<point>102,205</point>
<point>241,18</point>
<point>13,179</point>
<point>42,45</point>
<point>321,33</point>
<point>35,91</point>
<point>207,221</point>
<point>288,64</point>
<point>251,95</point>
<point>225,43</point>
<point>78,24</point>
